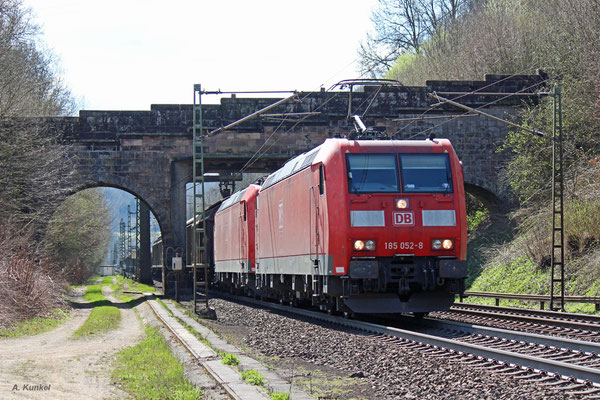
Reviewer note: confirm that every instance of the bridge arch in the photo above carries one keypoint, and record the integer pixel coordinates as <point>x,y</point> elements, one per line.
<point>146,211</point>
<point>100,184</point>
<point>488,198</point>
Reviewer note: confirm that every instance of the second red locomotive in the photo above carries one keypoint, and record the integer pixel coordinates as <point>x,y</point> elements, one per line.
<point>353,226</point>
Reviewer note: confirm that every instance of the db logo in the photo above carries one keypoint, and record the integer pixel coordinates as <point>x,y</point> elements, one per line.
<point>406,218</point>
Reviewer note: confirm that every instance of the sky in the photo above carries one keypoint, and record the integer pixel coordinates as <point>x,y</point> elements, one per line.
<point>129,54</point>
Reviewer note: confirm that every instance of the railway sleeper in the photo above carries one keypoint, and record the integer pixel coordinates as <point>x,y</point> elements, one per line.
<point>591,391</point>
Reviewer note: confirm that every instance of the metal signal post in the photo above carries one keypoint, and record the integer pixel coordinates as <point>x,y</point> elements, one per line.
<point>199,259</point>
<point>557,256</point>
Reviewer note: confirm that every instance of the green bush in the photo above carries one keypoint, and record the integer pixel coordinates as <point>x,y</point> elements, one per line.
<point>475,218</point>
<point>280,396</point>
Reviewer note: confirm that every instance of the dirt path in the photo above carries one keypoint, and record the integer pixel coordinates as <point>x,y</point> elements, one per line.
<point>53,365</point>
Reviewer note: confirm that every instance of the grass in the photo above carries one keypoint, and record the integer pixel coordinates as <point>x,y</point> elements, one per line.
<point>253,377</point>
<point>150,371</point>
<point>162,303</point>
<point>521,275</point>
<point>321,385</point>
<point>230,359</point>
<point>508,278</point>
<point>476,218</point>
<point>35,326</point>
<point>107,280</point>
<point>101,319</point>
<point>126,298</point>
<point>94,294</point>
<point>279,396</point>
<point>104,316</point>
<point>135,286</point>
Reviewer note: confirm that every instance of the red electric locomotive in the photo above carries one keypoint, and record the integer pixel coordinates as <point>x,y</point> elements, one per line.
<point>234,239</point>
<point>364,227</point>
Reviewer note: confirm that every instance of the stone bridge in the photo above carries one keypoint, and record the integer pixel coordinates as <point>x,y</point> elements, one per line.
<point>149,153</point>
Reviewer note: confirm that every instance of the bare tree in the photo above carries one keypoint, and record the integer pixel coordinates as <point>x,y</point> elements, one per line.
<point>37,173</point>
<point>36,170</point>
<point>82,218</point>
<point>29,84</point>
<point>402,26</point>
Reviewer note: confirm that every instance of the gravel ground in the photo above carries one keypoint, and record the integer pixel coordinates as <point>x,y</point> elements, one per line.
<point>64,367</point>
<point>382,371</point>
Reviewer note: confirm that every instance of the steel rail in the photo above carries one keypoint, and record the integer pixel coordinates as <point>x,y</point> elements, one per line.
<point>534,297</point>
<point>541,320</point>
<point>558,342</point>
<point>230,391</point>
<point>582,373</point>
<point>548,313</point>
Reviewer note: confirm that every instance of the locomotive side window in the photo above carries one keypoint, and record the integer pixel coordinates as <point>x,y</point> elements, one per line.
<point>321,180</point>
<point>428,173</point>
<point>372,173</point>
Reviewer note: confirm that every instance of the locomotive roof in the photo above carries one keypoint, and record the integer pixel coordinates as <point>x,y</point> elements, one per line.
<point>294,165</point>
<point>304,160</point>
<point>208,213</point>
<point>234,198</point>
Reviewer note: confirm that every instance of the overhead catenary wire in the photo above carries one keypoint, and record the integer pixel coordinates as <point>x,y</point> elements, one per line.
<point>267,145</point>
<point>424,132</point>
<point>454,103</point>
<point>463,94</point>
<point>253,115</point>
<point>361,82</point>
<point>260,151</point>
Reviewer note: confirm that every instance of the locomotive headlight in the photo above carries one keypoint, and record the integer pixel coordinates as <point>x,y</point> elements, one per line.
<point>359,245</point>
<point>370,245</point>
<point>442,244</point>
<point>401,203</point>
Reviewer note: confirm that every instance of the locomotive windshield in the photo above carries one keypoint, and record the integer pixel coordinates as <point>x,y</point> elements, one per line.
<point>372,173</point>
<point>425,173</point>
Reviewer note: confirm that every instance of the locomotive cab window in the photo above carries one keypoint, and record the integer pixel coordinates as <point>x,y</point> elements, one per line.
<point>372,173</point>
<point>426,173</point>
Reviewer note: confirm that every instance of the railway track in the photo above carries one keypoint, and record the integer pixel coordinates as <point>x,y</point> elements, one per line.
<point>225,377</point>
<point>581,326</point>
<point>205,356</point>
<point>569,365</point>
